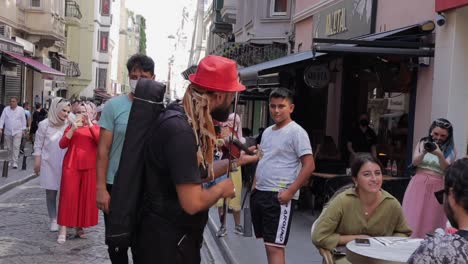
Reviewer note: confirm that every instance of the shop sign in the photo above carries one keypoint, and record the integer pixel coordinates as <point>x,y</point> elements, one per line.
<point>28,46</point>
<point>397,103</point>
<point>345,20</point>
<point>443,5</point>
<point>11,46</point>
<point>317,76</point>
<point>336,22</point>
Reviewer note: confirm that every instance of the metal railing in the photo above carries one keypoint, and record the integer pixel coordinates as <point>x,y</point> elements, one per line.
<point>72,9</point>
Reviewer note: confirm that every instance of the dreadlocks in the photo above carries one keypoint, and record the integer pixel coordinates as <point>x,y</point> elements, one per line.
<point>197,108</point>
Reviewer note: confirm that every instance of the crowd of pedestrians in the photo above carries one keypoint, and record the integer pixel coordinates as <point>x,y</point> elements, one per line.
<point>191,163</point>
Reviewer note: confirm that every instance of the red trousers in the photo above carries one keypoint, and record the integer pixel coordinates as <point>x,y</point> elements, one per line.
<point>77,206</point>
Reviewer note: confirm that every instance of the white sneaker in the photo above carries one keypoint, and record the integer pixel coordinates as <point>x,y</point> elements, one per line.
<point>54,226</point>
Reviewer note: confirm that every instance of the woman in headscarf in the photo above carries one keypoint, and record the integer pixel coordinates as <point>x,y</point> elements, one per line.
<point>77,207</point>
<point>49,156</point>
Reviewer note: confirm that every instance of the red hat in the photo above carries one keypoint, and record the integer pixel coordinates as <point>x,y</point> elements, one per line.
<point>217,74</point>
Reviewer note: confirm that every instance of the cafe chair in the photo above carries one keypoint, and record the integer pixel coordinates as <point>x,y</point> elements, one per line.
<point>326,254</point>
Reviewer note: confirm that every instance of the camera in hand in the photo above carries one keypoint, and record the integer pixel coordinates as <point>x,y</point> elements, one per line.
<point>430,146</point>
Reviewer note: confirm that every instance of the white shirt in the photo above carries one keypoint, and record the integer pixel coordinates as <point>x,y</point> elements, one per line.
<point>14,120</point>
<point>46,145</point>
<point>281,161</point>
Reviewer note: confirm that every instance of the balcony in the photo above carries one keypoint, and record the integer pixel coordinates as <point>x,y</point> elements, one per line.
<point>247,54</point>
<point>72,69</point>
<point>44,28</point>
<point>61,63</point>
<point>72,13</point>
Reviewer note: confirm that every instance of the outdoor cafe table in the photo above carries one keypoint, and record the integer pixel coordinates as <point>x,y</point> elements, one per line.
<point>382,250</point>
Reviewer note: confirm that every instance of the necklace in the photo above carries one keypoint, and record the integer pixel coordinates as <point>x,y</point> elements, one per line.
<point>366,213</point>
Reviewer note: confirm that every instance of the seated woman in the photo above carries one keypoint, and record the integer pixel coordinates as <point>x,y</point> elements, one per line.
<point>360,212</point>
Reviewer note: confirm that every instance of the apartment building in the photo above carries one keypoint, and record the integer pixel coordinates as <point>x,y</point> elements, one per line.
<point>31,33</point>
<point>129,44</point>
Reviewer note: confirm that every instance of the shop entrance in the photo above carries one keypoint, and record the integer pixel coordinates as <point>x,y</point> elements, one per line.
<point>384,88</point>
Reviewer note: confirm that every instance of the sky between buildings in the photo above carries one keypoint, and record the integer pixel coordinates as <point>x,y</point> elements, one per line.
<point>162,20</point>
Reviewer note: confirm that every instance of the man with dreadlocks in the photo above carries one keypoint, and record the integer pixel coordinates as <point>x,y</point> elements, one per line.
<point>178,158</point>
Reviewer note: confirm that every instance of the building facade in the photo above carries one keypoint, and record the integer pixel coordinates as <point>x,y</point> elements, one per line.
<point>352,56</point>
<point>33,33</point>
<point>449,90</point>
<point>100,50</point>
<point>129,44</point>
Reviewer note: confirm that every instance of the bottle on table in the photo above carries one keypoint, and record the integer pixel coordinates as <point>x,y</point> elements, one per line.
<point>394,169</point>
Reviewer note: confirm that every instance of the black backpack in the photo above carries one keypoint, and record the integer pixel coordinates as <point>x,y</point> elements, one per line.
<point>128,183</point>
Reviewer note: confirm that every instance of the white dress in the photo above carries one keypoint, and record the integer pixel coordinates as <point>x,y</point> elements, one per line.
<point>46,145</point>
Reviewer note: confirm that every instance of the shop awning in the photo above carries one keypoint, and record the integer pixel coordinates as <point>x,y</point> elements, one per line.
<point>399,41</point>
<point>36,65</point>
<point>252,72</point>
<point>99,93</point>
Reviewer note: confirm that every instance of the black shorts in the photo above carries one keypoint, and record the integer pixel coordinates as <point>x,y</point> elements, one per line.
<point>271,220</point>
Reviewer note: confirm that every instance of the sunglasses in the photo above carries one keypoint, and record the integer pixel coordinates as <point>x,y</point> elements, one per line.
<point>442,124</point>
<point>439,195</point>
<point>63,100</point>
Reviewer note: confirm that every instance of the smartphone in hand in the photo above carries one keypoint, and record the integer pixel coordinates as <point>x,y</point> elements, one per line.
<point>362,242</point>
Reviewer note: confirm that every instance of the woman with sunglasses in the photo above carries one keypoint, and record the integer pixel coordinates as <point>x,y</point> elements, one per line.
<point>77,207</point>
<point>432,155</point>
<point>48,156</point>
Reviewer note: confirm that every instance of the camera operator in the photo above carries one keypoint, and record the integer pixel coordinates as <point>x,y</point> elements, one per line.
<point>432,155</point>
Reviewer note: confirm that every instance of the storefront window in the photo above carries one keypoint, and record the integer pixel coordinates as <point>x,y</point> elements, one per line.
<point>388,106</point>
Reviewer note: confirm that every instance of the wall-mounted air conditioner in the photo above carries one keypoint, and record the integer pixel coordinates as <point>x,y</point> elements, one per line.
<point>5,31</point>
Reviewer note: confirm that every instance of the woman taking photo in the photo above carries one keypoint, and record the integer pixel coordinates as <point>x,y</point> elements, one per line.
<point>362,211</point>
<point>48,156</point>
<point>77,207</point>
<point>432,155</point>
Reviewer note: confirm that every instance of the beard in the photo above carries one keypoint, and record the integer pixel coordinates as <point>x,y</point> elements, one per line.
<point>450,214</point>
<point>221,113</point>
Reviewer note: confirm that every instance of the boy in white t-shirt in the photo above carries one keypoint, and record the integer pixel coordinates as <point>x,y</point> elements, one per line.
<point>286,165</point>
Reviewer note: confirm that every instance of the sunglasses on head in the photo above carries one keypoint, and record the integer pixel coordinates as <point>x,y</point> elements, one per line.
<point>63,100</point>
<point>442,124</point>
<point>439,195</point>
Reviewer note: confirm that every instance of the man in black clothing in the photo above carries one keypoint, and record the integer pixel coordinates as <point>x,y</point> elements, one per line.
<point>363,138</point>
<point>38,115</point>
<point>174,207</point>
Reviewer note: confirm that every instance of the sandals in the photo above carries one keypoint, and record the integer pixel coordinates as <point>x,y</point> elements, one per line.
<point>61,239</point>
<point>80,233</point>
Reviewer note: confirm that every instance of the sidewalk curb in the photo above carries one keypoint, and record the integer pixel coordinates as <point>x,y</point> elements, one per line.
<point>222,244</point>
<point>5,188</point>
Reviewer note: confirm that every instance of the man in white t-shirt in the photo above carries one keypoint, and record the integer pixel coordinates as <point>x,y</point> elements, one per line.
<point>14,119</point>
<point>286,165</point>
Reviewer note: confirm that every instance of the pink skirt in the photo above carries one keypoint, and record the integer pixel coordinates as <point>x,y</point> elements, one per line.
<point>422,211</point>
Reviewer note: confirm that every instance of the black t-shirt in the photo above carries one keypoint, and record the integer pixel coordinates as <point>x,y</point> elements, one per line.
<point>37,117</point>
<point>170,159</point>
<point>362,141</point>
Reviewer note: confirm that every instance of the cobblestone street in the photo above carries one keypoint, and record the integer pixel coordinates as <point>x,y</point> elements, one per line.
<point>25,235</point>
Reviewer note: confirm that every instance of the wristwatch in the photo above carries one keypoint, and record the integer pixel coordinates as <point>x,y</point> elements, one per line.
<point>234,165</point>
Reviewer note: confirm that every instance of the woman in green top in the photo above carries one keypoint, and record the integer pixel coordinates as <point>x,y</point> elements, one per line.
<point>360,212</point>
